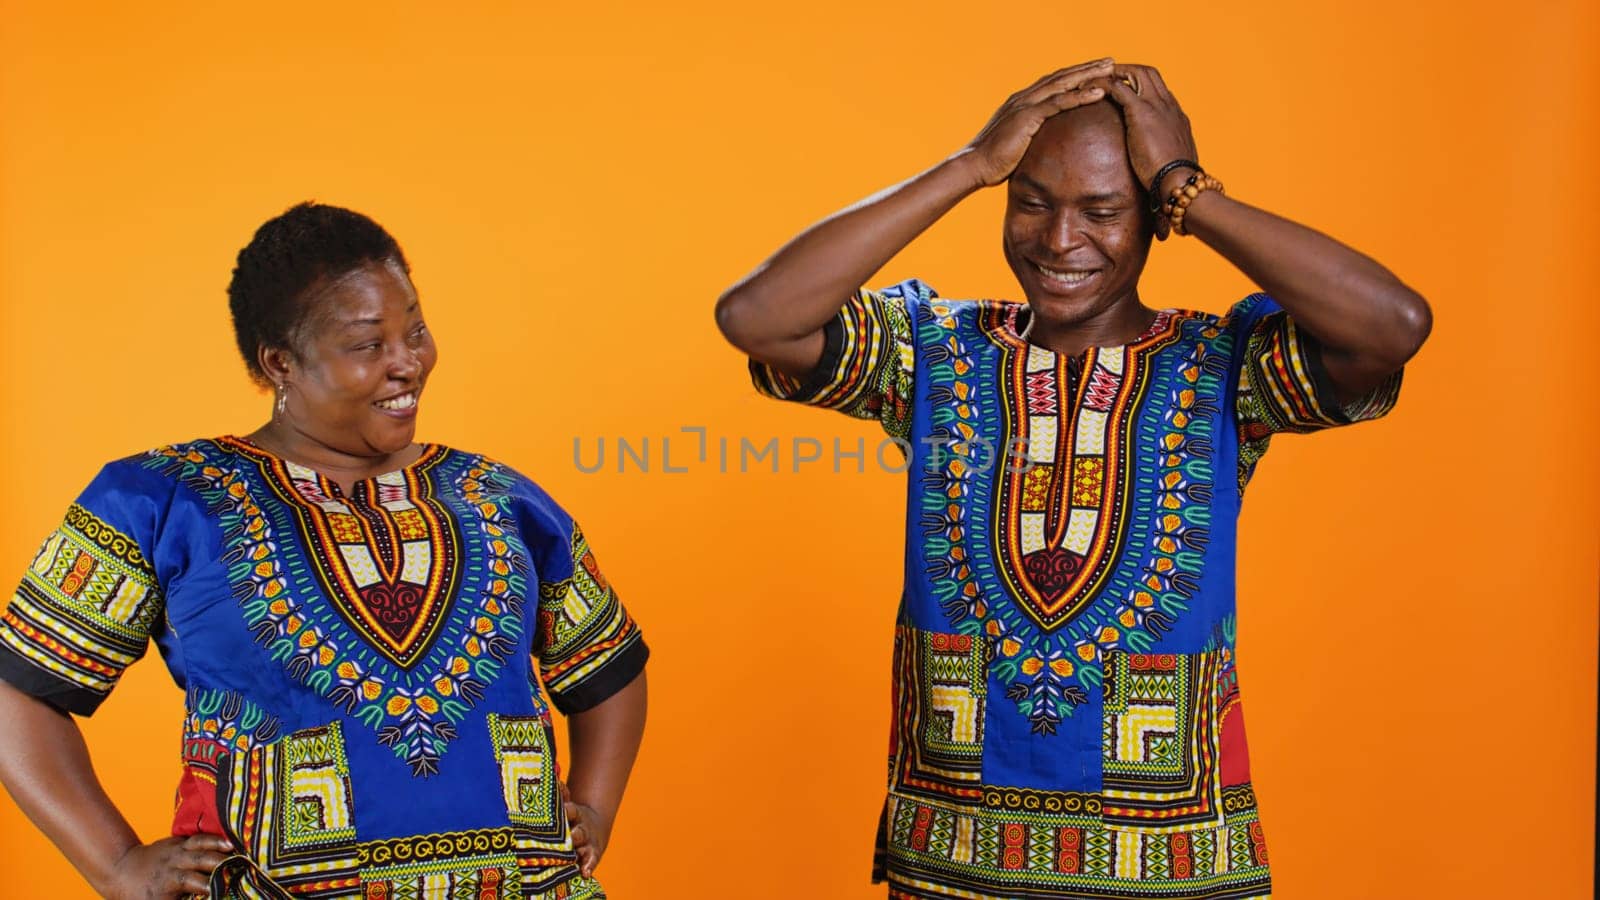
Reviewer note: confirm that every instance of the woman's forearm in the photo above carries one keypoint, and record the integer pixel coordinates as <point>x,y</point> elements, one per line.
<point>604,742</point>
<point>44,764</point>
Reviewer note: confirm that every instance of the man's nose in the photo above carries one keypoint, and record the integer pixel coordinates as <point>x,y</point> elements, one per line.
<point>1064,233</point>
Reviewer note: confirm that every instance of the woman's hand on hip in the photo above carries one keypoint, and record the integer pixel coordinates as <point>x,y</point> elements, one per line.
<point>590,830</point>
<point>174,867</point>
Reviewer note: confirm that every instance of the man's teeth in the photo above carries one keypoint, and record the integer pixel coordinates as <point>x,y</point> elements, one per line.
<point>1067,277</point>
<point>404,401</point>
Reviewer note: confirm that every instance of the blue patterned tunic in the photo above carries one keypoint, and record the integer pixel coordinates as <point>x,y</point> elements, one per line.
<point>367,674</point>
<point>1066,718</point>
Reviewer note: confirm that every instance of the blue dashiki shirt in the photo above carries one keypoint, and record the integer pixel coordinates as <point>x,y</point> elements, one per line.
<point>366,673</point>
<point>1066,717</point>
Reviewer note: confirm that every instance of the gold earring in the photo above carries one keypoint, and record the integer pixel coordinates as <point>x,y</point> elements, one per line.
<point>283,398</point>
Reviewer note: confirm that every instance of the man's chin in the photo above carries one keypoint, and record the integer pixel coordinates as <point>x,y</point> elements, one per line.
<point>1060,312</point>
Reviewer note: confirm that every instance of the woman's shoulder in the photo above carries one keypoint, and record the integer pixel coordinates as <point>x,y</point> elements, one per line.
<point>479,477</point>
<point>158,465</point>
<point>135,492</point>
<point>486,470</point>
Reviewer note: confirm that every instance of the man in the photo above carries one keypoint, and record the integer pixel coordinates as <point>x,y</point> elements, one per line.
<point>1067,719</point>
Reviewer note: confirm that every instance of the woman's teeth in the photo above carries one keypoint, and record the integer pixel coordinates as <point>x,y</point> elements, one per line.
<point>404,401</point>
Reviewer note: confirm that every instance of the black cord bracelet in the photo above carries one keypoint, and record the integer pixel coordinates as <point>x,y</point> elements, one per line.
<point>1164,171</point>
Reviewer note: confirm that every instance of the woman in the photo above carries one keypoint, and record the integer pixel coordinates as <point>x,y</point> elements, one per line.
<point>368,628</point>
<point>1067,716</point>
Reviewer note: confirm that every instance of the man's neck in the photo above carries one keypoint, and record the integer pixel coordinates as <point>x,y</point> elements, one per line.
<point>1119,325</point>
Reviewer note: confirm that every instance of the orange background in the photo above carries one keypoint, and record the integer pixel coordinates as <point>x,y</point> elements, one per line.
<point>575,185</point>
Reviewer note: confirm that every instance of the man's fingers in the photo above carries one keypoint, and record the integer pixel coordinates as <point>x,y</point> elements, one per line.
<point>1120,91</point>
<point>1148,81</point>
<point>1064,79</point>
<point>1160,84</point>
<point>1093,64</point>
<point>1068,99</point>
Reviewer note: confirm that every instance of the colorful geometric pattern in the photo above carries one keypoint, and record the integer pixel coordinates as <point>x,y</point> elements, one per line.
<point>1283,389</point>
<point>1161,741</point>
<point>476,865</point>
<point>523,749</point>
<point>1067,719</point>
<point>936,747</point>
<point>82,614</point>
<point>387,562</point>
<point>584,630</point>
<point>482,864</point>
<point>220,726</point>
<point>1056,554</point>
<point>283,566</point>
<point>288,805</point>
<point>1059,569</point>
<point>866,367</point>
<point>333,644</point>
<point>939,849</point>
<point>315,788</point>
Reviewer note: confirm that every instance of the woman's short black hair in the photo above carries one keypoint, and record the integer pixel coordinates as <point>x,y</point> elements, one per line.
<point>289,254</point>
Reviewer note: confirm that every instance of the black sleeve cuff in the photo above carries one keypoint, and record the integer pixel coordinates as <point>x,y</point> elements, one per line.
<point>603,684</point>
<point>1327,396</point>
<point>820,377</point>
<point>40,684</point>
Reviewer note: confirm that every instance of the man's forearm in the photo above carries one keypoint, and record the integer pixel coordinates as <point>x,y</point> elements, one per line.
<point>1367,321</point>
<point>794,293</point>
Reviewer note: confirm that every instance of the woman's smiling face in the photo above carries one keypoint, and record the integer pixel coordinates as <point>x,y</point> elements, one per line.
<point>360,359</point>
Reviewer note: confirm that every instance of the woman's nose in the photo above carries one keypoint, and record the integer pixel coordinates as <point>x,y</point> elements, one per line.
<point>405,364</point>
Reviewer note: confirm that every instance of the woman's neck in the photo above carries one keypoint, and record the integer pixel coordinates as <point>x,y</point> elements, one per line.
<point>342,464</point>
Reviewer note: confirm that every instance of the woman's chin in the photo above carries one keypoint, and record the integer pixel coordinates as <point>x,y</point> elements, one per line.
<point>392,437</point>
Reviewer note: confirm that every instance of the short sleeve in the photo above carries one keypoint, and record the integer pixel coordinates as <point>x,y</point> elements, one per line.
<point>868,360</point>
<point>88,601</point>
<point>588,647</point>
<point>1283,385</point>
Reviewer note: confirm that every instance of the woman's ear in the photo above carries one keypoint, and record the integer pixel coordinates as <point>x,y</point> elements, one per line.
<point>277,363</point>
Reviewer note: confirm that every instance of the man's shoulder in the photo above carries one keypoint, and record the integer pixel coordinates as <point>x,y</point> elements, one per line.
<point>923,305</point>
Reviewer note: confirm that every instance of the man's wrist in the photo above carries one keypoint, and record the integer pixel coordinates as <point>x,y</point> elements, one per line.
<point>963,170</point>
<point>1171,180</point>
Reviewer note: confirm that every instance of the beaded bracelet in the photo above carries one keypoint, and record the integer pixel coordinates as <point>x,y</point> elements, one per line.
<point>1184,194</point>
<point>1163,172</point>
